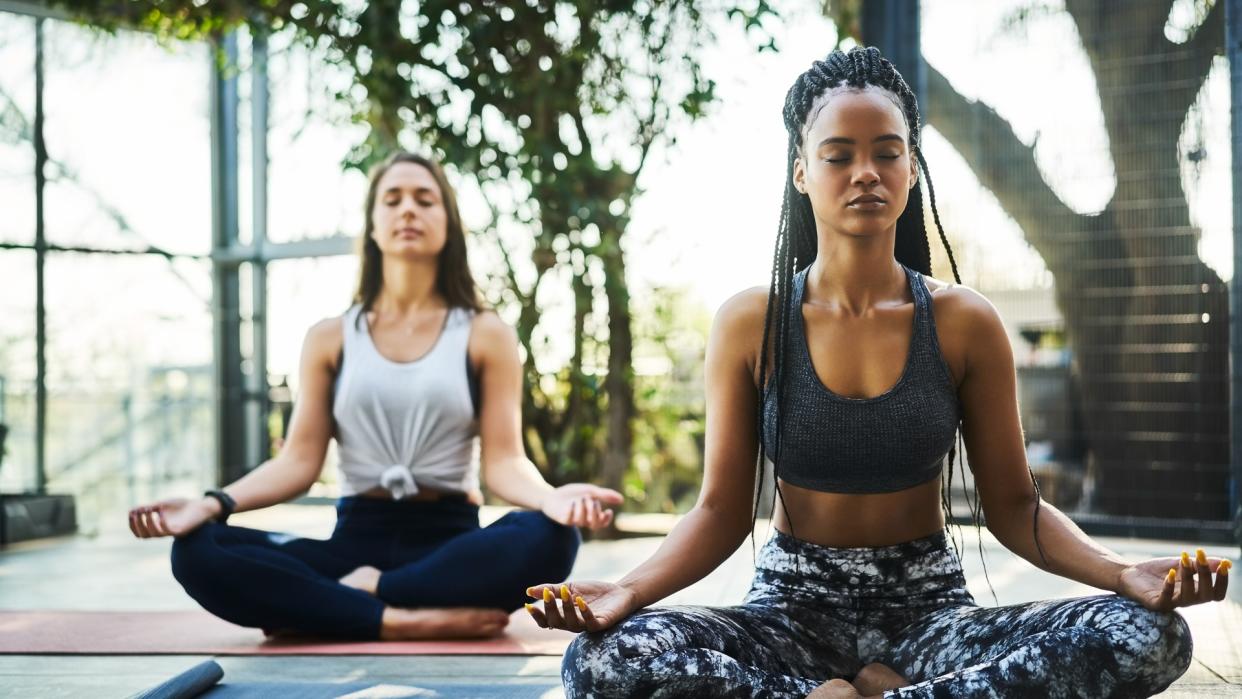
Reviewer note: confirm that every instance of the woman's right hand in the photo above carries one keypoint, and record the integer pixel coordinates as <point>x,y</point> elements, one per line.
<point>175,517</point>
<point>583,606</point>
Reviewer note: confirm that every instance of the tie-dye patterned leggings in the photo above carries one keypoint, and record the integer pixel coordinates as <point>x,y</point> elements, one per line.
<point>826,613</point>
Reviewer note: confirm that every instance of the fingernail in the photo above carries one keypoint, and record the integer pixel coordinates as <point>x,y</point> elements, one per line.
<point>1201,557</point>
<point>530,592</point>
<point>1172,576</point>
<point>1185,560</point>
<point>1224,567</point>
<point>581,603</point>
<point>547,595</point>
<point>565,592</point>
<point>530,608</point>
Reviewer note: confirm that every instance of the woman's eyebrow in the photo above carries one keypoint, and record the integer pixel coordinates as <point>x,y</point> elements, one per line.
<point>419,190</point>
<point>850,141</point>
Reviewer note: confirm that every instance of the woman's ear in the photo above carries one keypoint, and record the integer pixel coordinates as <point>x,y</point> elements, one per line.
<point>799,175</point>
<point>914,172</point>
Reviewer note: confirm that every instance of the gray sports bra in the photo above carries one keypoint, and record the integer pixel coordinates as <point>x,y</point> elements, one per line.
<point>894,441</point>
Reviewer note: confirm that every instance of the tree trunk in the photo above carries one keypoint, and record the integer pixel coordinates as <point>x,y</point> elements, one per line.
<point>619,385</point>
<point>1146,318</point>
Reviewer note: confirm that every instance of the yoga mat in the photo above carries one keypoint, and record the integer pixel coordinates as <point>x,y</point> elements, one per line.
<point>199,633</point>
<point>201,681</point>
<point>187,685</point>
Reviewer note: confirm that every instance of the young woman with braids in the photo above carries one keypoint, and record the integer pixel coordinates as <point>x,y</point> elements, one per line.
<point>853,371</point>
<point>408,381</point>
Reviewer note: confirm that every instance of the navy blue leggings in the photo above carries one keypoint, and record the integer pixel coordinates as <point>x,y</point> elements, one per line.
<point>432,554</point>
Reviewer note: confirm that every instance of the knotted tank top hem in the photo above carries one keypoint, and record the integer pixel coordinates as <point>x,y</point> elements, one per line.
<point>406,425</point>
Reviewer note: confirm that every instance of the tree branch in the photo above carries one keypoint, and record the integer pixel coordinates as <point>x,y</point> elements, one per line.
<point>1207,43</point>
<point>1002,163</point>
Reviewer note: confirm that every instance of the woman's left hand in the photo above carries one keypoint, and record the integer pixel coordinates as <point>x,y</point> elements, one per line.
<point>1163,584</point>
<point>581,505</point>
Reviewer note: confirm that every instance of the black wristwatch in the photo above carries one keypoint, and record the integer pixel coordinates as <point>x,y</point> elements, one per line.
<point>227,504</point>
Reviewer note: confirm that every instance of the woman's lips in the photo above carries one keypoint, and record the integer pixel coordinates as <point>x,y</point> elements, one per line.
<point>868,205</point>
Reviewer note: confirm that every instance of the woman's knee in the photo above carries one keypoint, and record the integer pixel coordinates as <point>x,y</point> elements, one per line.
<point>556,544</point>
<point>1152,648</point>
<point>594,666</point>
<point>1168,655</point>
<point>191,554</point>
<point>622,661</point>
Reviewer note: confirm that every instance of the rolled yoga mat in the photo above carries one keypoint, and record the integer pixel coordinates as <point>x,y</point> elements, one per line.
<point>188,685</point>
<point>203,681</point>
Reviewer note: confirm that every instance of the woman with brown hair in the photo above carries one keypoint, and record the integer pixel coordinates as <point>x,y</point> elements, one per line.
<point>408,380</point>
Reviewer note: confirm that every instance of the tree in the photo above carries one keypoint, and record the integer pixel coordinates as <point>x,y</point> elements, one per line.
<point>553,107</point>
<point>1146,318</point>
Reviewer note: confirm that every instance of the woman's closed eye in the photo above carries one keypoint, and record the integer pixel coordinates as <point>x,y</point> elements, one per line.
<point>845,159</point>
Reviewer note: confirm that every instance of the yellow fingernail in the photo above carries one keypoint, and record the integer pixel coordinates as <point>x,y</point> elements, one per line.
<point>581,603</point>
<point>530,592</point>
<point>547,595</point>
<point>1185,560</point>
<point>1201,557</point>
<point>530,608</point>
<point>565,592</point>
<point>1224,567</point>
<point>1172,576</point>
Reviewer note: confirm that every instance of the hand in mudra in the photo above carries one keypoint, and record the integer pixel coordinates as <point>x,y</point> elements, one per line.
<point>581,505</point>
<point>1163,584</point>
<point>175,517</point>
<point>589,605</point>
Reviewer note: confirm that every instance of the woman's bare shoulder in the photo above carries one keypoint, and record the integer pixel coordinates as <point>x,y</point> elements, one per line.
<point>737,333</point>
<point>325,340</point>
<point>487,325</point>
<point>742,315</point>
<point>960,308</point>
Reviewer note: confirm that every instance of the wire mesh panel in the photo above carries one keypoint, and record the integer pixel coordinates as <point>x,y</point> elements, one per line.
<point>1098,133</point>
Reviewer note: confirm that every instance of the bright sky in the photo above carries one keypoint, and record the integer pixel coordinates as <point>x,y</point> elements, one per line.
<point>130,118</point>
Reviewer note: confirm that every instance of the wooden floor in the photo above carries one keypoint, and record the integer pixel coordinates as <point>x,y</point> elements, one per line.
<point>112,571</point>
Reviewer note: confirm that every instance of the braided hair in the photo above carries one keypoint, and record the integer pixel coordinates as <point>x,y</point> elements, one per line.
<point>796,245</point>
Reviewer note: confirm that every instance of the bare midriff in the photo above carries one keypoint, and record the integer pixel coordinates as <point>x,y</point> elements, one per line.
<point>858,520</point>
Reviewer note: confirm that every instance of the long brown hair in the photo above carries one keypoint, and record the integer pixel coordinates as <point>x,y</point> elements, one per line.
<point>453,278</point>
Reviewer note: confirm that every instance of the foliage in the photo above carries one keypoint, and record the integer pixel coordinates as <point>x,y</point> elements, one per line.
<point>552,107</point>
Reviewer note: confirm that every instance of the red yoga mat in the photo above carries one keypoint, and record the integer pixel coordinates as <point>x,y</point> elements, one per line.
<point>199,633</point>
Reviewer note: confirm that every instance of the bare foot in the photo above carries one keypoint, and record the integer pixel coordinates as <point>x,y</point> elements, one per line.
<point>875,678</point>
<point>835,689</point>
<point>282,635</point>
<point>365,578</point>
<point>458,622</point>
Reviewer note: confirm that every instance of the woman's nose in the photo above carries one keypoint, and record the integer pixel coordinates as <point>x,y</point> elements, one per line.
<point>865,176</point>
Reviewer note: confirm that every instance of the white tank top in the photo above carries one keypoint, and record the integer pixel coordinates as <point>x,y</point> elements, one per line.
<point>402,425</point>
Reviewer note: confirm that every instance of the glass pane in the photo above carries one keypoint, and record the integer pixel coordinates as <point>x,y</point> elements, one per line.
<point>309,195</point>
<point>300,294</point>
<point>131,159</point>
<point>130,412</point>
<point>17,188</point>
<point>17,369</point>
